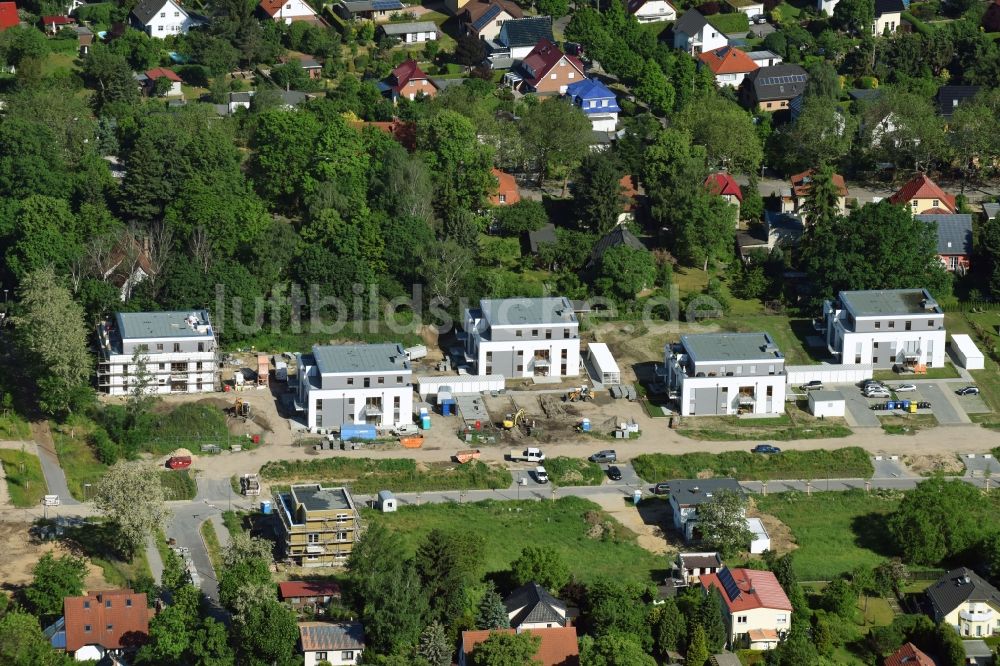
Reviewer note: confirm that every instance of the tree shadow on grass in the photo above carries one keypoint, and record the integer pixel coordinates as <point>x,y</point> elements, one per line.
<point>871,531</point>
<point>95,538</point>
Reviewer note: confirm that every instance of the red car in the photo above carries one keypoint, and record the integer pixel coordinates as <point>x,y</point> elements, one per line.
<point>179,462</point>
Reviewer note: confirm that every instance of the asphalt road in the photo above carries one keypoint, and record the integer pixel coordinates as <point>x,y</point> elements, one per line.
<point>55,478</point>
<point>943,404</point>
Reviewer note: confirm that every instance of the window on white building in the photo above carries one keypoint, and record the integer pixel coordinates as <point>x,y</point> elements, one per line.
<point>347,655</point>
<point>321,656</point>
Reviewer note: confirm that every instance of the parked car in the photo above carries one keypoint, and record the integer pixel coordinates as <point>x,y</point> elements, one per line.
<point>606,456</point>
<point>871,382</point>
<point>614,473</point>
<point>661,489</point>
<point>905,388</point>
<point>759,19</point>
<point>968,390</point>
<point>878,392</point>
<point>541,475</point>
<point>765,448</point>
<point>814,385</point>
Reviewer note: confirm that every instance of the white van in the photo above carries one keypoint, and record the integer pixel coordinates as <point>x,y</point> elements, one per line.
<point>541,475</point>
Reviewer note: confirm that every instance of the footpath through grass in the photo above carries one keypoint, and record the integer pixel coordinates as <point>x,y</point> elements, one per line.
<point>76,457</point>
<point>590,542</point>
<point>367,475</point>
<point>835,531</point>
<point>849,462</point>
<point>25,481</point>
<point>564,471</point>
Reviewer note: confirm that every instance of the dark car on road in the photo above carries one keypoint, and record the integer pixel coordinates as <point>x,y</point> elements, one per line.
<point>606,456</point>
<point>814,385</point>
<point>661,489</point>
<point>765,448</point>
<point>614,473</point>
<point>968,390</point>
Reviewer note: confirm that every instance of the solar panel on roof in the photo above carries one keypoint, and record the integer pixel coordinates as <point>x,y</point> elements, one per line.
<point>729,583</point>
<point>383,5</point>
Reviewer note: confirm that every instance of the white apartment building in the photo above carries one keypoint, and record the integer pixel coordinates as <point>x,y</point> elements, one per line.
<point>887,328</point>
<point>726,373</point>
<point>523,337</point>
<point>179,350</point>
<point>355,384</point>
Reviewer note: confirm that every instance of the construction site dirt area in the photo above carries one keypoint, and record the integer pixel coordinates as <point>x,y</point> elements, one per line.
<point>22,552</point>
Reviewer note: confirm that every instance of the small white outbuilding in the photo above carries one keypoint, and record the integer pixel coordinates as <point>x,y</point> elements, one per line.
<point>605,367</point>
<point>761,540</point>
<point>827,403</point>
<point>386,501</point>
<point>966,352</point>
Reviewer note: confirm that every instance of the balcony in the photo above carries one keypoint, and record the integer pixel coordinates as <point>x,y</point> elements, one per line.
<point>985,615</point>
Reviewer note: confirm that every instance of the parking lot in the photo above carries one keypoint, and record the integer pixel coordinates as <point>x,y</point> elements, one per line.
<point>977,465</point>
<point>947,407</point>
<point>890,467</point>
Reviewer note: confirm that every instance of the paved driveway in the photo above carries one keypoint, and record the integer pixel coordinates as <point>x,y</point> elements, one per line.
<point>943,403</point>
<point>978,465</point>
<point>887,468</point>
<point>859,413</point>
<point>55,478</point>
<point>762,30</point>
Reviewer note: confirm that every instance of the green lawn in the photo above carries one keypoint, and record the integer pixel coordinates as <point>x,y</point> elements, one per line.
<point>565,471</point>
<point>188,425</point>
<point>946,372</point>
<point>366,475</point>
<point>178,484</point>
<point>94,538</point>
<point>988,379</point>
<point>13,427</point>
<point>788,12</point>
<point>212,544</point>
<point>795,423</point>
<point>507,527</point>
<point>729,24</point>
<point>849,462</point>
<point>25,481</point>
<point>75,455</point>
<point>835,531</point>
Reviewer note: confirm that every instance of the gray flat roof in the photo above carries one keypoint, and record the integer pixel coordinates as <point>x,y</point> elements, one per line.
<point>698,491</point>
<point>708,347</point>
<point>826,395</point>
<point>179,324</point>
<point>404,28</point>
<point>991,210</point>
<point>520,311</point>
<point>889,302</point>
<point>360,358</point>
<point>318,498</point>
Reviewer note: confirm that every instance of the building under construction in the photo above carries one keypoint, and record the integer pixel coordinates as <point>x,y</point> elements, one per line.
<point>318,525</point>
<point>178,349</point>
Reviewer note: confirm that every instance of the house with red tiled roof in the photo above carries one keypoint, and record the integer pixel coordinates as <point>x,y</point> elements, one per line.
<point>8,15</point>
<point>757,612</point>
<point>403,131</point>
<point>409,81</point>
<point>286,11</point>
<point>793,198</point>
<point>923,196</point>
<point>157,73</point>
<point>506,192</point>
<point>548,71</point>
<point>630,198</point>
<point>110,623</point>
<point>53,24</point>
<point>297,593</point>
<point>724,185</point>
<point>908,655</point>
<point>557,648</point>
<point>728,65</point>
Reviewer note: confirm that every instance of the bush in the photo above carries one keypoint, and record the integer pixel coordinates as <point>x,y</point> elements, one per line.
<point>104,447</point>
<point>195,75</point>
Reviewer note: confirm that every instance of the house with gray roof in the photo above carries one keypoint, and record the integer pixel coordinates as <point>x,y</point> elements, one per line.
<point>725,373</point>
<point>415,32</point>
<point>339,643</point>
<point>518,37</point>
<point>160,18</point>
<point>686,495</point>
<point>954,234</point>
<point>367,10</point>
<point>966,602</point>
<point>886,328</point>
<point>773,88</point>
<point>532,607</point>
<point>354,384</point>
<point>523,337</point>
<point>178,349</point>
<point>693,33</point>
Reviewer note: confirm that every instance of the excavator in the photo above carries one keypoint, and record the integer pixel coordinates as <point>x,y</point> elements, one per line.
<point>582,394</point>
<point>511,421</point>
<point>241,408</point>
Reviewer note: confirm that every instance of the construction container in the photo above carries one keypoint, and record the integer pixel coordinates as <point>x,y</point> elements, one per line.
<point>412,442</point>
<point>281,371</point>
<point>386,502</point>
<point>636,496</point>
<point>468,455</point>
<point>265,507</point>
<point>585,425</point>
<point>416,352</point>
<point>363,431</point>
<point>447,403</point>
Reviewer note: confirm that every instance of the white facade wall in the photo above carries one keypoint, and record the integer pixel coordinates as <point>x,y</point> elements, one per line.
<point>293,9</point>
<point>929,345</point>
<point>169,20</point>
<point>729,387</point>
<point>888,21</point>
<point>740,623</point>
<point>114,380</point>
<point>828,373</point>
<point>656,10</point>
<point>335,657</point>
<point>752,10</point>
<point>731,80</point>
<point>605,122</point>
<point>554,348</point>
<point>822,407</point>
<point>460,384</point>
<point>826,6</point>
<point>361,395</point>
<point>89,653</point>
<point>974,619</point>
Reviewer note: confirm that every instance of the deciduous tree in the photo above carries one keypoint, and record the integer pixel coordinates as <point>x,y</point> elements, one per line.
<point>722,522</point>
<point>54,579</point>
<point>624,271</point>
<point>556,136</point>
<point>130,495</point>
<point>597,193</point>
<point>507,649</point>
<point>542,565</point>
<point>614,649</point>
<point>24,644</point>
<point>931,523</point>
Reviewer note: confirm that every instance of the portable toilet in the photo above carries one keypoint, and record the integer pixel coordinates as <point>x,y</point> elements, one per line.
<point>447,403</point>
<point>425,419</point>
<point>585,425</point>
<point>636,496</point>
<point>265,507</point>
<point>386,501</point>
